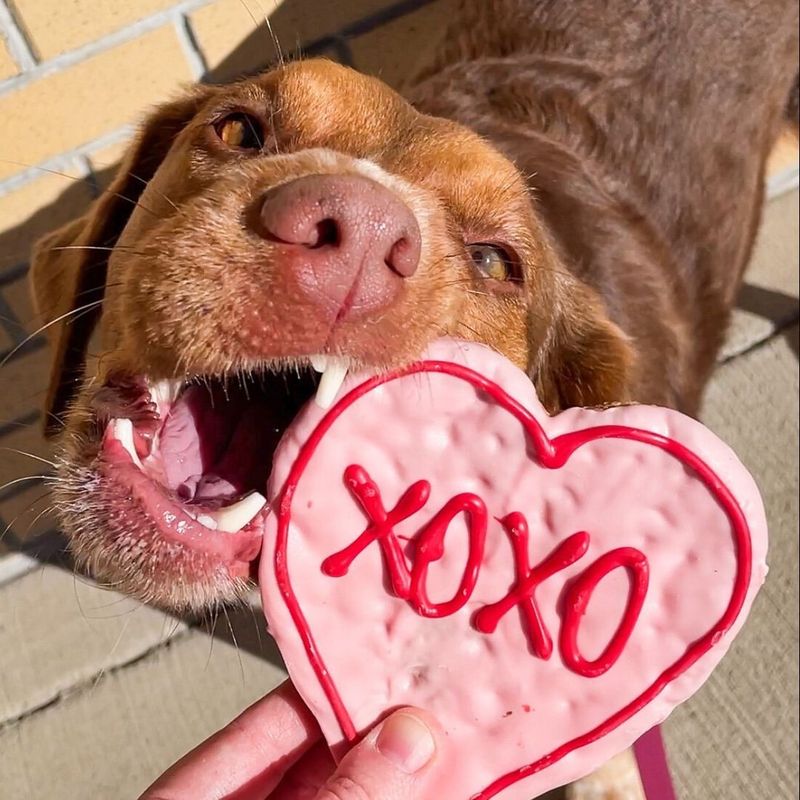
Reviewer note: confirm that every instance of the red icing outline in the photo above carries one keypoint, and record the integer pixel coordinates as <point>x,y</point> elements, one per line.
<point>577,600</point>
<point>552,454</point>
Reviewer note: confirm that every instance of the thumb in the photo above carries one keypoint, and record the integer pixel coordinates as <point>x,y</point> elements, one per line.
<point>395,761</point>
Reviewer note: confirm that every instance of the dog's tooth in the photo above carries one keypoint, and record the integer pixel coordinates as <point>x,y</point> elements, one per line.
<point>156,393</point>
<point>234,517</point>
<point>319,362</point>
<point>165,392</point>
<point>123,433</point>
<point>331,381</point>
<point>207,520</point>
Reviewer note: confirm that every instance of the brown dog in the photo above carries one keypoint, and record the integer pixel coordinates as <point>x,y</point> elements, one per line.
<point>576,183</point>
<point>598,242</point>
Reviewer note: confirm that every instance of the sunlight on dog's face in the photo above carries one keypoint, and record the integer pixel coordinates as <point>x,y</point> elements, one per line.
<point>202,282</point>
<point>308,213</point>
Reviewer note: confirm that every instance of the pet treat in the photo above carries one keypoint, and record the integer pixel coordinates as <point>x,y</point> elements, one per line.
<point>549,588</point>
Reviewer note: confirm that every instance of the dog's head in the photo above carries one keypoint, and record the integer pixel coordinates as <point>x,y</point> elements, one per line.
<point>306,217</point>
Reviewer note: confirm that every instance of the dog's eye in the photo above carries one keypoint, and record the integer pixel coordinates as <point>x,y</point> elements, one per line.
<point>492,261</point>
<point>242,131</point>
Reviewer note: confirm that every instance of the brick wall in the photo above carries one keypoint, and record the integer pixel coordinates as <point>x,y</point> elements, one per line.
<point>75,76</point>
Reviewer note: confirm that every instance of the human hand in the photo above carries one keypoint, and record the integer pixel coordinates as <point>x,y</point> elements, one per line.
<point>274,751</point>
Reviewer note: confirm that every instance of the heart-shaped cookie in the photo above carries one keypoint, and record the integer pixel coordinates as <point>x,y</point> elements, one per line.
<point>548,587</point>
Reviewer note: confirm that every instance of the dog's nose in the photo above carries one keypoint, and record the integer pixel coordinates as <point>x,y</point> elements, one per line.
<point>347,241</point>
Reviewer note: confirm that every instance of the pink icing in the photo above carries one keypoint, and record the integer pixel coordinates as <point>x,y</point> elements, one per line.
<point>645,601</point>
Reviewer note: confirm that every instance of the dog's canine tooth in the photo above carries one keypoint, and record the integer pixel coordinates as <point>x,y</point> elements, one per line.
<point>319,362</point>
<point>122,431</point>
<point>234,517</point>
<point>165,392</point>
<point>333,375</point>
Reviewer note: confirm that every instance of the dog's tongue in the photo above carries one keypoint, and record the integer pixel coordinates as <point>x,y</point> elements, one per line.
<point>549,588</point>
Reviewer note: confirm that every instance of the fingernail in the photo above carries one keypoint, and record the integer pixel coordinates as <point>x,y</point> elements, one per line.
<point>406,742</point>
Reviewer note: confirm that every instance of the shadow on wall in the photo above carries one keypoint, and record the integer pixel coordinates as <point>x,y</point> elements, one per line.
<point>296,38</point>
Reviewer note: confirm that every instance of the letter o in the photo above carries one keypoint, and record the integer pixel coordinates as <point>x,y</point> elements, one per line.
<point>577,600</point>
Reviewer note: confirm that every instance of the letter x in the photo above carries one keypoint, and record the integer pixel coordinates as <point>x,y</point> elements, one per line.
<point>527,579</point>
<point>380,528</point>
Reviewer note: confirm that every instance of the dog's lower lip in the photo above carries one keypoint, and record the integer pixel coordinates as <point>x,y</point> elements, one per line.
<point>197,528</point>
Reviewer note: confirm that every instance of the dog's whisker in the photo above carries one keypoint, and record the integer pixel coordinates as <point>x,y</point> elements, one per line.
<point>464,325</point>
<point>235,644</point>
<point>24,479</point>
<point>147,183</point>
<point>257,622</point>
<point>75,312</point>
<point>46,312</point>
<point>22,513</point>
<point>211,631</point>
<point>485,322</point>
<point>83,293</point>
<point>272,112</point>
<point>58,420</point>
<point>271,37</point>
<point>76,577</point>
<point>29,455</point>
<point>276,42</point>
<point>109,249</point>
<point>46,510</point>
<point>128,614</point>
<point>66,175</point>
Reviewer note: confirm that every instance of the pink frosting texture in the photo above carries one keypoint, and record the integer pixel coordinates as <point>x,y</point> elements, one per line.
<point>502,706</point>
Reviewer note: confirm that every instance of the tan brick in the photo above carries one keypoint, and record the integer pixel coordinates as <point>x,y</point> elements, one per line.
<point>394,52</point>
<point>57,26</point>
<point>234,40</point>
<point>40,206</point>
<point>7,65</point>
<point>72,107</point>
<point>230,39</point>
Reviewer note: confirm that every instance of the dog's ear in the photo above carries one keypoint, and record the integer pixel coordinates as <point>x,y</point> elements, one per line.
<point>68,267</point>
<point>587,359</point>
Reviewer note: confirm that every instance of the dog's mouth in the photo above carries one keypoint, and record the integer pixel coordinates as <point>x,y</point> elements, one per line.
<point>193,457</point>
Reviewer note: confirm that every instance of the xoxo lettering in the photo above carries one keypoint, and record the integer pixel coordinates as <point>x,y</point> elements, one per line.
<point>410,582</point>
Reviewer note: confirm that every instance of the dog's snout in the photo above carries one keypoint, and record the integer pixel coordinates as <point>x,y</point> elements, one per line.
<point>348,241</point>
